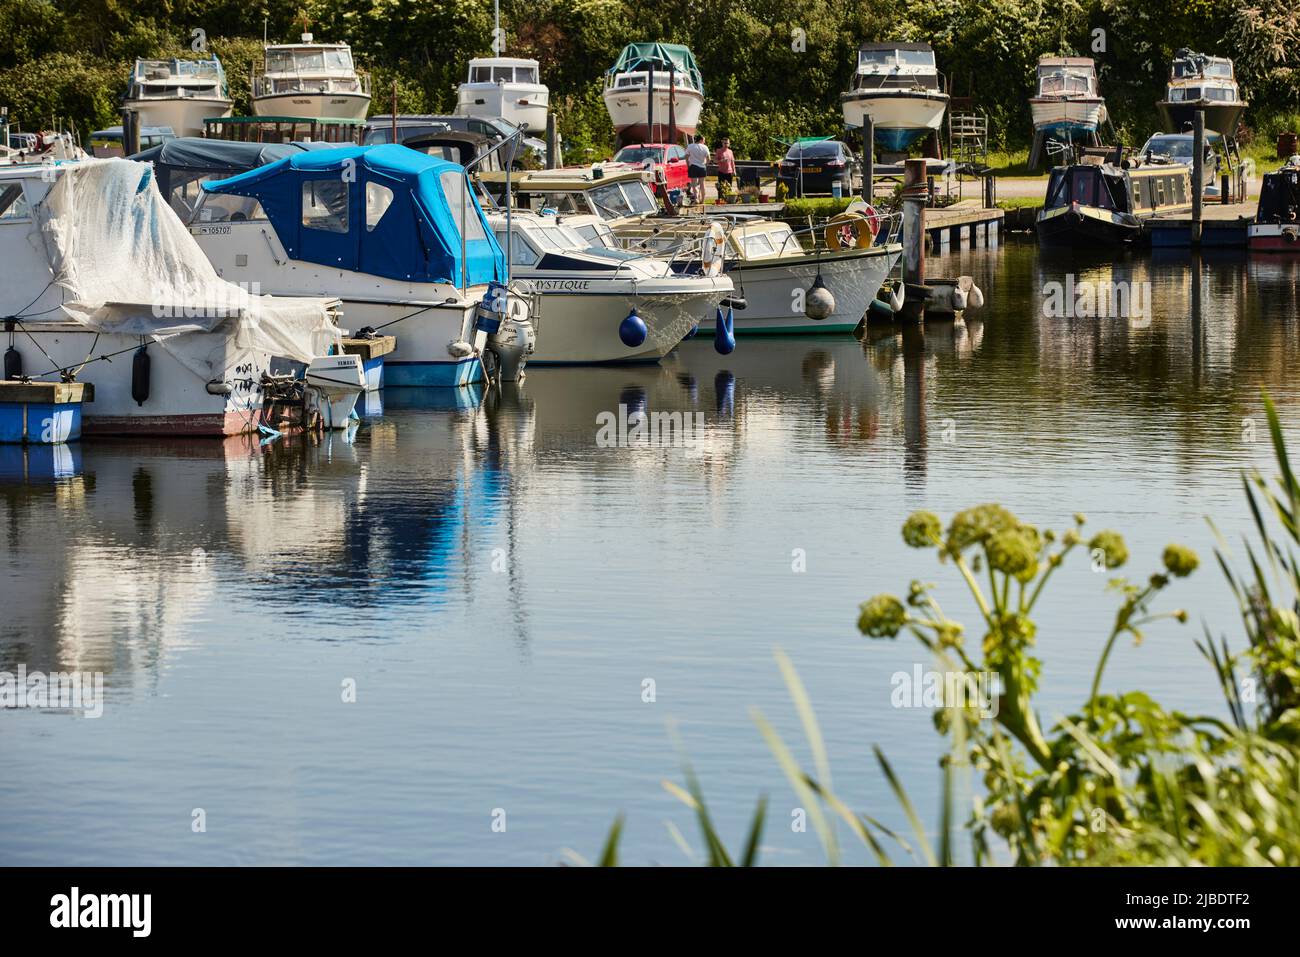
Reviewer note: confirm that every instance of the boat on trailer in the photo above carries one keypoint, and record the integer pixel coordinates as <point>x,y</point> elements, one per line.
<point>899,87</point>
<point>1276,228</point>
<point>310,80</point>
<point>505,87</point>
<point>653,90</point>
<point>105,286</point>
<point>178,94</point>
<point>1198,82</point>
<point>395,234</point>
<point>1096,204</point>
<point>1067,105</point>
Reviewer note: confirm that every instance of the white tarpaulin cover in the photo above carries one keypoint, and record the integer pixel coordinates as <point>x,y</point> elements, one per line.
<point>127,265</point>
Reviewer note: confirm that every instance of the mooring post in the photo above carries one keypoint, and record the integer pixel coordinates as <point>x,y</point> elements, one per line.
<point>552,142</point>
<point>1198,173</point>
<point>869,158</point>
<point>916,193</point>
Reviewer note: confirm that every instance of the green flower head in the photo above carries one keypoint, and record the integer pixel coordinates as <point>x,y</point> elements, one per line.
<point>922,529</point>
<point>882,617</point>
<point>1014,551</point>
<point>1180,561</point>
<point>976,525</point>
<point>1110,544</point>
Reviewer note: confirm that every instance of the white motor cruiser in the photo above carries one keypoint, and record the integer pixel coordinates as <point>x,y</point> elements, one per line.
<point>397,235</point>
<point>505,87</point>
<point>653,88</point>
<point>178,94</point>
<point>102,284</point>
<point>604,305</point>
<point>898,86</point>
<point>310,80</point>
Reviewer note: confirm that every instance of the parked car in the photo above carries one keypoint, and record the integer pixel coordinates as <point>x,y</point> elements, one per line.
<point>458,147</point>
<point>816,167</point>
<point>1179,148</point>
<point>668,157</point>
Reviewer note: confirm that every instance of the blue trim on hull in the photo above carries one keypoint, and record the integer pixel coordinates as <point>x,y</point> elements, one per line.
<point>896,140</point>
<point>445,375</point>
<point>1072,129</point>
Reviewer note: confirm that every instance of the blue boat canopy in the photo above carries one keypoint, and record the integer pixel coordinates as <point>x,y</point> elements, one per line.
<point>385,210</point>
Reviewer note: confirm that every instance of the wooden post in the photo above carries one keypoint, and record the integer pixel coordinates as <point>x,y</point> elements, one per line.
<point>1198,173</point>
<point>394,111</point>
<point>552,142</point>
<point>869,158</point>
<point>915,195</point>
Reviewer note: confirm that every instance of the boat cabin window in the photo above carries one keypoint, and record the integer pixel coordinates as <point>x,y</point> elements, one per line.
<point>378,198</point>
<point>755,246</point>
<point>525,74</point>
<point>521,251</point>
<point>597,235</point>
<point>216,207</point>
<point>480,74</point>
<point>1085,185</point>
<point>609,201</point>
<point>463,210</point>
<point>325,205</point>
<point>1062,84</point>
<point>13,204</point>
<point>503,74</point>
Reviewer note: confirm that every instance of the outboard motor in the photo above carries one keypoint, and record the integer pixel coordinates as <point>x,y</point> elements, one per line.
<point>515,337</point>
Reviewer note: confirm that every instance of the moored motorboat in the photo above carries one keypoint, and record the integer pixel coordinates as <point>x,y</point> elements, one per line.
<point>178,94</point>
<point>653,90</point>
<point>898,86</point>
<point>395,234</point>
<point>589,292</point>
<point>1276,227</point>
<point>103,285</point>
<point>1207,84</point>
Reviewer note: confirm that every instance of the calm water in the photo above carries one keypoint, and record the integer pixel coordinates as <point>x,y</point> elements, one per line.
<point>499,588</point>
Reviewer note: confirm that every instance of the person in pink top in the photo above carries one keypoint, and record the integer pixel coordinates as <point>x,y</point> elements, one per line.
<point>726,163</point>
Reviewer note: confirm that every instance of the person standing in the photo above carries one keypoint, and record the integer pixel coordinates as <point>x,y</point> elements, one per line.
<point>726,163</point>
<point>697,166</point>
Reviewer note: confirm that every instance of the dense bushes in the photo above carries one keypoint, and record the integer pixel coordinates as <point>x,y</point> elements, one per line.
<point>771,67</point>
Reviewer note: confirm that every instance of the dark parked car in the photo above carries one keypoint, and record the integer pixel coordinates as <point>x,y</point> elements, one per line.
<point>815,168</point>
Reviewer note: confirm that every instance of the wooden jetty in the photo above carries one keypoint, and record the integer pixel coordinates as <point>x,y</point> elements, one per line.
<point>1222,226</point>
<point>966,224</point>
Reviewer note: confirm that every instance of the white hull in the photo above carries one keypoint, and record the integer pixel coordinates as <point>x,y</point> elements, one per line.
<point>1052,114</point>
<point>629,110</point>
<point>768,288</point>
<point>895,109</point>
<point>580,318</point>
<point>524,104</point>
<point>178,402</point>
<point>405,310</point>
<point>316,106</point>
<point>185,115</point>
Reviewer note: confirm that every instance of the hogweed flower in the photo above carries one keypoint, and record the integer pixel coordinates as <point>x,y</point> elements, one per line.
<point>1111,545</point>
<point>1180,561</point>
<point>882,617</point>
<point>922,530</point>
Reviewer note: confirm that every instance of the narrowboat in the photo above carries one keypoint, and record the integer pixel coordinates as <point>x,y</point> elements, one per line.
<point>1276,227</point>
<point>1091,204</point>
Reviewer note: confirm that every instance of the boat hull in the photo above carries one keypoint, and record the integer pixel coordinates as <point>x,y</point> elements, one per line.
<point>580,319</point>
<point>1073,117</point>
<point>178,401</point>
<point>185,115</point>
<point>854,277</point>
<point>315,106</point>
<point>1273,238</point>
<point>524,104</point>
<point>900,117</point>
<point>1219,117</point>
<point>629,111</point>
<point>1086,227</point>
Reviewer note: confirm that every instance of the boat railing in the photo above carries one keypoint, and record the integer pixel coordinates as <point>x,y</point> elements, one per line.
<point>265,82</point>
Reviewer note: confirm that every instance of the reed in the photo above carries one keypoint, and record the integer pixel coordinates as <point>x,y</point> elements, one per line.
<point>1123,780</point>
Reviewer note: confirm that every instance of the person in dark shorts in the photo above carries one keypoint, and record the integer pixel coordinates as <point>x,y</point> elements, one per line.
<point>697,166</point>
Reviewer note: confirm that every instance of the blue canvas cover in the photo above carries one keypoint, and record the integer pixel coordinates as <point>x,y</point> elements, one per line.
<point>417,237</point>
